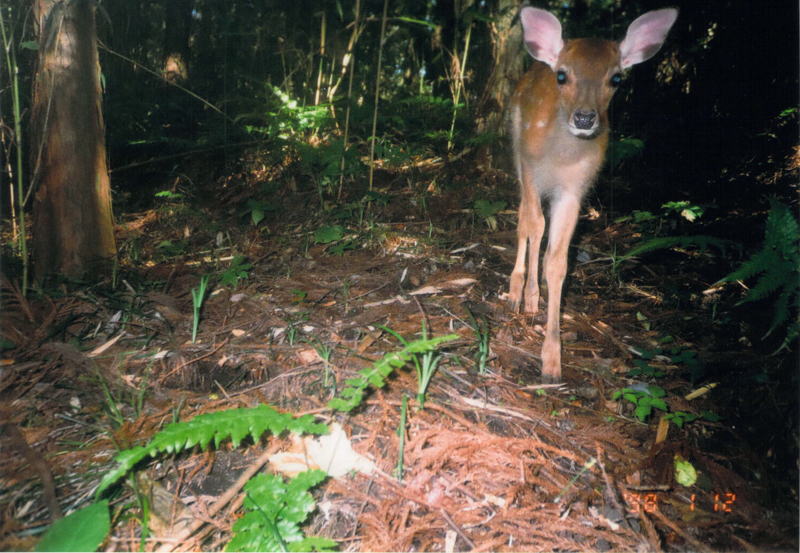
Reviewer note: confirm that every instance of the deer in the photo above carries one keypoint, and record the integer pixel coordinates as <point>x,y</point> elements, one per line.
<point>559,133</point>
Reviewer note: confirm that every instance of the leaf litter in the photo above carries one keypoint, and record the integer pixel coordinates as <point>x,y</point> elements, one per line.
<point>494,462</point>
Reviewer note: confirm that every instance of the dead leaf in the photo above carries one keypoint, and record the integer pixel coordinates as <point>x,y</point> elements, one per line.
<point>663,429</point>
<point>308,356</point>
<point>425,290</point>
<point>103,347</point>
<point>332,453</point>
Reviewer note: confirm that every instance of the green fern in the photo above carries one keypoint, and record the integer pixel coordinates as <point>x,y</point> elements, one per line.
<point>377,373</point>
<point>235,424</point>
<point>777,266</point>
<point>667,242</point>
<point>274,510</point>
<point>623,149</point>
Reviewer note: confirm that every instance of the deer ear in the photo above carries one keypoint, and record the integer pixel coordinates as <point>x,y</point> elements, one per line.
<point>645,36</point>
<point>542,34</point>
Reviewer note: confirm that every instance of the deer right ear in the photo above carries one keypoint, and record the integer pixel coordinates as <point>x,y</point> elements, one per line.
<point>542,34</point>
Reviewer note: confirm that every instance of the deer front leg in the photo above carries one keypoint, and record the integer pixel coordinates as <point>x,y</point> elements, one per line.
<point>563,219</point>
<point>518,274</point>
<point>536,231</point>
<point>530,229</point>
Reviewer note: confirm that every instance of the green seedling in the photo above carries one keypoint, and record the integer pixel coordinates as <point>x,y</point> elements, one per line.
<point>643,369</point>
<point>324,353</point>
<point>291,332</point>
<point>488,210</point>
<point>481,342</point>
<point>679,417</point>
<point>645,398</point>
<point>401,433</point>
<point>425,364</point>
<point>236,272</point>
<point>258,209</point>
<point>197,303</point>
<point>273,512</point>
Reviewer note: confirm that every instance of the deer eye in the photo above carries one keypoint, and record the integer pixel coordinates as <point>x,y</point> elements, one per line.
<point>561,77</point>
<point>616,79</point>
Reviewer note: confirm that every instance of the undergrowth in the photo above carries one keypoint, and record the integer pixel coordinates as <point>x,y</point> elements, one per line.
<point>274,509</point>
<point>235,424</point>
<point>777,266</point>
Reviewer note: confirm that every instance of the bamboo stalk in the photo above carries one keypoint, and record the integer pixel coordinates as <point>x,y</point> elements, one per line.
<point>349,58</point>
<point>459,87</point>
<point>11,63</point>
<point>377,94</point>
<point>321,58</point>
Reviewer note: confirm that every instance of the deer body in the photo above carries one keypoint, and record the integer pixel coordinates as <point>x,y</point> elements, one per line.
<point>559,119</point>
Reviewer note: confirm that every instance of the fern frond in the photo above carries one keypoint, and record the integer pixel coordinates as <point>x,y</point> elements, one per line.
<point>781,311</point>
<point>234,423</point>
<point>666,242</point>
<point>777,266</point>
<point>377,373</point>
<point>775,274</point>
<point>753,266</point>
<point>782,232</point>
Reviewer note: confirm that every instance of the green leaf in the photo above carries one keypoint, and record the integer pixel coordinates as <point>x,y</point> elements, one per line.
<point>326,235</point>
<point>274,511</point>
<point>676,419</point>
<point>632,397</point>
<point>685,473</point>
<point>313,544</point>
<point>83,530</point>
<point>653,402</point>
<point>642,412</point>
<point>339,249</point>
<point>488,209</point>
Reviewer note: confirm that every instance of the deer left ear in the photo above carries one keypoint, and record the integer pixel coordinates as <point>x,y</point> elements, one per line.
<point>645,36</point>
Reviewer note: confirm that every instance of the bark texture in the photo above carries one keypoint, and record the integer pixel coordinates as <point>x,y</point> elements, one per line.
<point>73,229</point>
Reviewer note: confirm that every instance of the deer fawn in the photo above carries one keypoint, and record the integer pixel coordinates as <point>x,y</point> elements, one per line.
<point>560,134</point>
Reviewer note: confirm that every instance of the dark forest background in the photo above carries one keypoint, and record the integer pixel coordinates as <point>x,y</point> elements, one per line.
<point>714,96</point>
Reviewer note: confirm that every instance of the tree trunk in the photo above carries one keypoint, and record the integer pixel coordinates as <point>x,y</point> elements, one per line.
<point>177,28</point>
<point>72,219</point>
<point>509,64</point>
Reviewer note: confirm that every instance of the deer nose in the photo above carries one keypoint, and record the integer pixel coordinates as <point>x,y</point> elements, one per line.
<point>584,120</point>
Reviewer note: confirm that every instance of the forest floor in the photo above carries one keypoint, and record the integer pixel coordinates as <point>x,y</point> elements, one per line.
<point>297,306</point>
